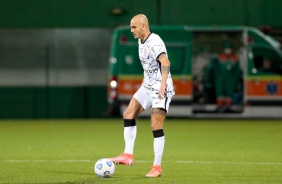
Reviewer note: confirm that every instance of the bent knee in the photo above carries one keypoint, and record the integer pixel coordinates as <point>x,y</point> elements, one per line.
<point>127,115</point>
<point>131,113</point>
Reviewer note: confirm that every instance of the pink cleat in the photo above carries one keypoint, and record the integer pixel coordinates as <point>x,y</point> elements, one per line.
<point>155,172</point>
<point>124,158</point>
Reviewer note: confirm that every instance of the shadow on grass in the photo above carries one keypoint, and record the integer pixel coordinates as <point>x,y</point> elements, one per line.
<point>97,180</point>
<point>89,178</point>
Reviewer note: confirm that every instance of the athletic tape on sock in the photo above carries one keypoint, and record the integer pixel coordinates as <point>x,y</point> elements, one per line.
<point>129,122</point>
<point>158,133</point>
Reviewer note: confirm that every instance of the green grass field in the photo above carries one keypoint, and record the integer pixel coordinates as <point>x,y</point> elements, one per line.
<point>196,151</point>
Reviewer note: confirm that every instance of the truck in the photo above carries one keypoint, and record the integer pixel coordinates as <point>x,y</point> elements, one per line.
<point>258,93</point>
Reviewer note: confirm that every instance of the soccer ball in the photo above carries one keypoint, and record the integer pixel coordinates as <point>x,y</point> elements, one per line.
<point>104,168</point>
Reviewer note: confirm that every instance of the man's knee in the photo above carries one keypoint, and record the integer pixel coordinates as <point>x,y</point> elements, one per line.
<point>156,123</point>
<point>127,114</point>
<point>132,111</point>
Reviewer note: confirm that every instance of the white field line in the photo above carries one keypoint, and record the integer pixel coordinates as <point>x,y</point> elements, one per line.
<point>179,161</point>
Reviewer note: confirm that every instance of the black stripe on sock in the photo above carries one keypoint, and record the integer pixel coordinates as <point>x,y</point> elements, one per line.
<point>129,122</point>
<point>158,133</point>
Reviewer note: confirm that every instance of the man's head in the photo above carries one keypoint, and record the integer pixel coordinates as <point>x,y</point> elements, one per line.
<point>139,26</point>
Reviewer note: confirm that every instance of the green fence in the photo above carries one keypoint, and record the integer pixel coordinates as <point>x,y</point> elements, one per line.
<point>53,102</point>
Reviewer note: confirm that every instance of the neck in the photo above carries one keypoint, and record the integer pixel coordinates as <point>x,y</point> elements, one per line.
<point>146,34</point>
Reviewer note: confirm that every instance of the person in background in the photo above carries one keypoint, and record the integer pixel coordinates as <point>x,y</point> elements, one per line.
<point>263,65</point>
<point>224,73</point>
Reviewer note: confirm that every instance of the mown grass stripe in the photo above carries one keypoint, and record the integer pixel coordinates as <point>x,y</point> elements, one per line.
<point>178,161</point>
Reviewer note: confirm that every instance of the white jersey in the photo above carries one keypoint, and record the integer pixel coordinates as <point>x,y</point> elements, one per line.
<point>149,51</point>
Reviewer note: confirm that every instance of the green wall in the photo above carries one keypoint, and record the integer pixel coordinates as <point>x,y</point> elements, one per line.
<point>96,13</point>
<point>69,13</point>
<point>90,102</point>
<point>53,102</point>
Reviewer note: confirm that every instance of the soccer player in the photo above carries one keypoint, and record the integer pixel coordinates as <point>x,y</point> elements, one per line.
<point>155,92</point>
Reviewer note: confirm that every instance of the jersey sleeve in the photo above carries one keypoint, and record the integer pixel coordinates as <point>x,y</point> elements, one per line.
<point>158,47</point>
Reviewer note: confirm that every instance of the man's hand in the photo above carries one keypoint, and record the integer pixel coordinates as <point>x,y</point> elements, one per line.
<point>162,91</point>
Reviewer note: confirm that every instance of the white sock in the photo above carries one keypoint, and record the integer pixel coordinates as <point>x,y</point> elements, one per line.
<point>129,138</point>
<point>158,149</point>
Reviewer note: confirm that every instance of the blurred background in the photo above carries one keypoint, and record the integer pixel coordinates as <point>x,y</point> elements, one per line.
<point>54,54</point>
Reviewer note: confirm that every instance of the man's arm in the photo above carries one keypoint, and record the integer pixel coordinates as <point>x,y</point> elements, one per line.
<point>165,68</point>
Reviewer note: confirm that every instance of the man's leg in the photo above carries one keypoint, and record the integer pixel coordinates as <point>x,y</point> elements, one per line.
<point>130,130</point>
<point>157,120</point>
<point>134,108</point>
<point>220,97</point>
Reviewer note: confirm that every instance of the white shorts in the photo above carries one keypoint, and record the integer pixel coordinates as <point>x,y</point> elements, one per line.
<point>146,100</point>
